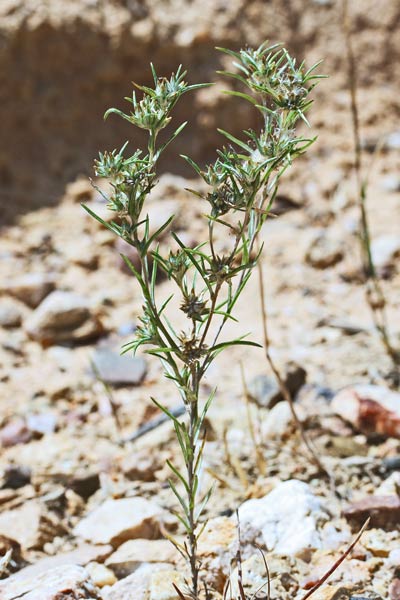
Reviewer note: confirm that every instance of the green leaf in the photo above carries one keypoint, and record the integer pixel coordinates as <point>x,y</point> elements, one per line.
<point>111,226</point>
<point>118,112</point>
<point>242,95</point>
<point>239,342</point>
<point>192,164</point>
<point>181,501</point>
<point>179,475</point>
<point>235,140</point>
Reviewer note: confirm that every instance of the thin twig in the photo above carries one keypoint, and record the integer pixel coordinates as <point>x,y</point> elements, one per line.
<point>282,385</point>
<point>337,563</point>
<point>261,464</point>
<point>374,293</point>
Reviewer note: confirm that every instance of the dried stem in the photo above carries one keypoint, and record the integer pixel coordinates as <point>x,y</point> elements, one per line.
<point>282,385</point>
<point>374,291</point>
<point>337,564</point>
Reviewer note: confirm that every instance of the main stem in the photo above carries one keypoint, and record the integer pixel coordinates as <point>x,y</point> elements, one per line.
<point>192,538</point>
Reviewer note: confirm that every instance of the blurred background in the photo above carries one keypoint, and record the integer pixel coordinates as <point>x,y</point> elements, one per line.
<point>64,62</point>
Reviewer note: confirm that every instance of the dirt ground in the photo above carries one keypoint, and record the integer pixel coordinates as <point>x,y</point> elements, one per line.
<point>63,455</point>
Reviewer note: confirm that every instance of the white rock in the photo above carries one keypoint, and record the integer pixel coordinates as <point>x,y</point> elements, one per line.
<point>287,519</point>
<point>117,521</point>
<point>390,486</point>
<point>278,421</point>
<point>385,249</point>
<point>133,553</point>
<point>51,585</point>
<point>162,585</point>
<point>139,582</point>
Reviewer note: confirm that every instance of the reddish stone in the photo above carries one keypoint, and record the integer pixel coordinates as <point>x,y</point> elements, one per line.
<point>394,590</point>
<point>384,512</point>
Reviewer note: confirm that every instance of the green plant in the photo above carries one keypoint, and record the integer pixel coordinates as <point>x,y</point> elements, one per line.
<point>242,185</point>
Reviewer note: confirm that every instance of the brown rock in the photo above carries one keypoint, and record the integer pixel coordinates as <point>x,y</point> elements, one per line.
<point>370,408</point>
<point>63,583</point>
<point>80,190</point>
<point>31,288</point>
<point>394,589</point>
<point>384,512</point>
<point>63,317</point>
<point>117,521</point>
<point>324,252</point>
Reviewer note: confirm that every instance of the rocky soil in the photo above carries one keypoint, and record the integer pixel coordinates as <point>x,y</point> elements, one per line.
<point>84,499</point>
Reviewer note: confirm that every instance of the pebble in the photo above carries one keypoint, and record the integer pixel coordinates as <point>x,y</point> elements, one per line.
<point>15,432</point>
<point>100,575</point>
<point>31,288</point>
<point>63,317</point>
<point>80,190</point>
<point>265,391</point>
<point>384,512</point>
<point>117,521</point>
<point>370,409</point>
<point>139,581</point>
<point>324,252</point>
<point>10,314</point>
<point>287,518</point>
<point>385,249</point>
<point>277,422</point>
<point>119,370</point>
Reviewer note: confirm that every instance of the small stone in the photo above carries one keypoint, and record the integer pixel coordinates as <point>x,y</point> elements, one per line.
<point>10,314</point>
<point>100,575</point>
<point>63,317</point>
<point>393,141</point>
<point>80,190</point>
<point>265,391</point>
<point>117,369</point>
<point>385,249</point>
<point>391,183</point>
<point>287,518</point>
<point>31,288</point>
<point>384,512</point>
<point>162,585</point>
<point>43,423</point>
<point>84,483</point>
<point>277,422</point>
<point>69,581</point>
<point>375,540</point>
<point>117,521</point>
<point>370,408</point>
<point>394,589</point>
<point>15,432</point>
<point>324,252</point>
<point>31,525</point>
<point>133,553</point>
<point>141,465</point>
<point>332,592</point>
<point>390,486</point>
<point>15,477</point>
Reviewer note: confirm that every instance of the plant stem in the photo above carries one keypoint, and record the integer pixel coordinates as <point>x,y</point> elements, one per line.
<point>374,292</point>
<point>282,385</point>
